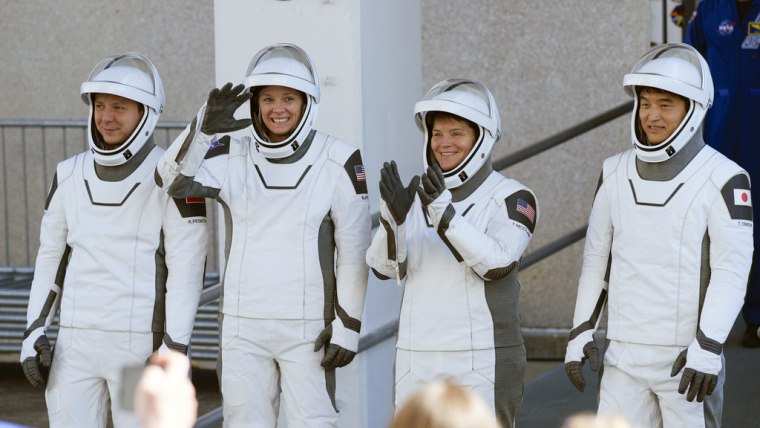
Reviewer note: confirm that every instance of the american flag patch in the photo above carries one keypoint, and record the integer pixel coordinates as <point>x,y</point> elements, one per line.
<point>359,170</point>
<point>194,200</point>
<point>526,209</point>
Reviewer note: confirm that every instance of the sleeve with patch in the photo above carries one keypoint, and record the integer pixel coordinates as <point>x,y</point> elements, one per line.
<point>191,207</point>
<point>738,198</point>
<point>521,207</point>
<point>219,147</point>
<point>355,170</point>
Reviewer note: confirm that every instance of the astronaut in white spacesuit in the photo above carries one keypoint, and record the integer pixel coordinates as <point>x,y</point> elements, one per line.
<point>459,244</point>
<point>297,230</point>
<point>669,246</point>
<point>122,260</point>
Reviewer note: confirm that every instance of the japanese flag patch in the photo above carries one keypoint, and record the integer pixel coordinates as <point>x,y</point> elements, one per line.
<point>742,197</point>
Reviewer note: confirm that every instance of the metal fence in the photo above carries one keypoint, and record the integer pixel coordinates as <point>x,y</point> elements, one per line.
<point>29,153</point>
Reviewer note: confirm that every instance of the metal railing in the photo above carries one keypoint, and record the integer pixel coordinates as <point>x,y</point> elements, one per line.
<point>29,151</point>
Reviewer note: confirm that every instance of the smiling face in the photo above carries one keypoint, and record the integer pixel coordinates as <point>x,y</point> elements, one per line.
<point>115,118</point>
<point>281,109</point>
<point>660,114</point>
<point>451,139</point>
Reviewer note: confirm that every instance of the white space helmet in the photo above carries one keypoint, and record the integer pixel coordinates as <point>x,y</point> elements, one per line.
<point>676,68</point>
<point>470,100</point>
<point>130,75</point>
<point>283,65</point>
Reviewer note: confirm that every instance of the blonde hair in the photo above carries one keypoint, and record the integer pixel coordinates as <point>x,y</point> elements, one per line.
<point>444,405</point>
<point>589,420</point>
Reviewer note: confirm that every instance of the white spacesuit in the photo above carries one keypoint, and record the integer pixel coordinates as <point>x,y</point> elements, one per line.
<point>297,229</point>
<point>460,254</point>
<point>124,260</point>
<point>670,240</point>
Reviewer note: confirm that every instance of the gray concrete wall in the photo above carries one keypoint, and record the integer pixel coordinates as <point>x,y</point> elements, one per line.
<point>49,48</point>
<point>550,64</point>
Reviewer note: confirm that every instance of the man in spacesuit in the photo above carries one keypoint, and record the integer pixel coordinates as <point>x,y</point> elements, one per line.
<point>298,226</point>
<point>124,261</point>
<point>458,239</point>
<point>669,246</point>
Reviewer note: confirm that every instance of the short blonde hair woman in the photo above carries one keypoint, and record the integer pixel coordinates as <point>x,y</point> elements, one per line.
<point>445,405</point>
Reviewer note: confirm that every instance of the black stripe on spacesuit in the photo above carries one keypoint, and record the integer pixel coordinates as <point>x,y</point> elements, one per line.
<point>425,216</point>
<point>591,323</point>
<point>360,185</point>
<point>159,299</point>
<point>188,140</point>
<point>502,296</point>
<point>171,344</point>
<point>157,178</point>
<point>443,226</point>
<point>380,275</point>
<point>599,183</point>
<point>330,387</point>
<point>266,186</point>
<point>191,209</point>
<point>326,252</point>
<point>104,204</point>
<point>40,321</point>
<point>53,188</point>
<point>467,210</point>
<point>737,212</point>
<point>348,322</point>
<point>60,275</point>
<point>391,239</point>
<point>710,345</point>
<point>511,203</point>
<point>392,255</point>
<point>509,382</point>
<point>218,148</point>
<point>704,273</point>
<point>499,272</point>
<point>649,204</point>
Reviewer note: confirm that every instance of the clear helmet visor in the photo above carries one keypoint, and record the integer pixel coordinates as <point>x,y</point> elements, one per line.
<point>290,66</point>
<point>283,65</point>
<point>132,76</point>
<point>470,100</point>
<point>680,69</point>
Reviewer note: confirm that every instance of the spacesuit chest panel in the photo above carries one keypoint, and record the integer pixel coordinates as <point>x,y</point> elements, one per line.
<point>120,207</point>
<point>443,297</point>
<point>113,227</point>
<point>274,266</point>
<point>658,228</point>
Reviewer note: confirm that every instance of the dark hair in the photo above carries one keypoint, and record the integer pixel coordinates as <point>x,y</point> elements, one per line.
<point>432,116</point>
<point>641,89</point>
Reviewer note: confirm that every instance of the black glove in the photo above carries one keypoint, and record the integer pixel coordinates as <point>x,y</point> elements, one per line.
<point>433,185</point>
<point>573,368</point>
<point>398,198</point>
<point>335,356</point>
<point>700,384</point>
<point>220,109</point>
<point>32,365</point>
